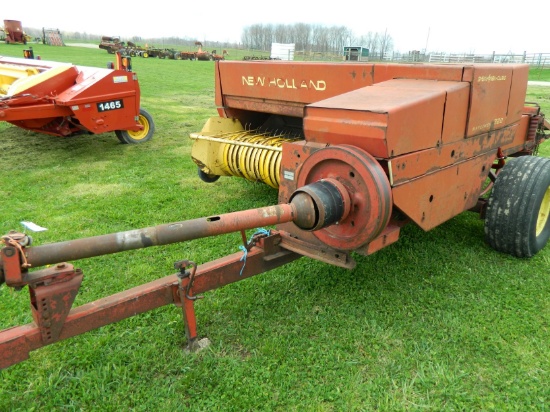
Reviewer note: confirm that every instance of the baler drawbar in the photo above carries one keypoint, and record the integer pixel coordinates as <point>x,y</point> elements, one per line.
<point>356,152</point>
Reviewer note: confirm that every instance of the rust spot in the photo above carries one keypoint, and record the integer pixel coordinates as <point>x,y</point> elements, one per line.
<point>146,241</point>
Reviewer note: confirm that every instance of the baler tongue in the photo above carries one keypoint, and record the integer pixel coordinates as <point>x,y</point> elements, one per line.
<point>53,289</point>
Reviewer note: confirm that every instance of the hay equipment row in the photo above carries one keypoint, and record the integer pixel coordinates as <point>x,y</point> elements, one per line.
<point>114,44</point>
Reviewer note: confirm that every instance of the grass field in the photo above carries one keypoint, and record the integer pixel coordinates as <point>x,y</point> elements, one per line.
<point>437,321</point>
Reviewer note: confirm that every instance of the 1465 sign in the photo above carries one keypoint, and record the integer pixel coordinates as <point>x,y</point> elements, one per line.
<point>111,105</point>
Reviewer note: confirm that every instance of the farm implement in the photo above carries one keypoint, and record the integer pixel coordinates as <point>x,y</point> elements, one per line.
<point>14,33</point>
<point>356,151</point>
<point>63,99</point>
<point>113,44</point>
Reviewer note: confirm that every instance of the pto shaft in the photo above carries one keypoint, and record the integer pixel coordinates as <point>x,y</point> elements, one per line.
<point>158,235</point>
<point>311,208</point>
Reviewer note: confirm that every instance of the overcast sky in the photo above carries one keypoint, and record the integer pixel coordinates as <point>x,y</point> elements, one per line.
<point>467,26</point>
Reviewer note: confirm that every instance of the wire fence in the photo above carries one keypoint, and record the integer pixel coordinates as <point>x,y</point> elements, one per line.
<point>538,60</point>
<point>533,59</point>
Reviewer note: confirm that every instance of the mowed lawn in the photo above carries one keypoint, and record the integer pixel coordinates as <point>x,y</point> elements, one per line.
<point>437,321</point>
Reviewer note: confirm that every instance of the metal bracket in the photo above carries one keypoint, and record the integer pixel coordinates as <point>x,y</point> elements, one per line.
<point>52,297</point>
<point>15,265</point>
<point>182,266</point>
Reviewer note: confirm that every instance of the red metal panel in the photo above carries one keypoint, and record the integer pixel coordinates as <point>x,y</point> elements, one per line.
<point>96,85</point>
<point>387,119</point>
<point>456,113</point>
<point>34,112</point>
<point>383,72</point>
<point>491,106</point>
<point>518,91</point>
<point>456,102</point>
<point>438,197</point>
<point>289,82</point>
<point>262,106</point>
<point>366,130</point>
<point>218,86</point>
<point>519,141</point>
<point>388,236</point>
<point>413,165</point>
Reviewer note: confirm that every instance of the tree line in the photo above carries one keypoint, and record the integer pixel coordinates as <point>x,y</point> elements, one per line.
<point>313,38</point>
<point>306,37</point>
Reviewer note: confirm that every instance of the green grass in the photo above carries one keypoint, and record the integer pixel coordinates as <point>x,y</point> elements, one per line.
<point>437,321</point>
<point>539,74</point>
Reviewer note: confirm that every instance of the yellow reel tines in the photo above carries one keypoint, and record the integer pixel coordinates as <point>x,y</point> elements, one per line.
<point>253,156</point>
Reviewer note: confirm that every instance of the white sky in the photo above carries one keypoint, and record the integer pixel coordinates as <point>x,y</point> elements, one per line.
<point>467,26</point>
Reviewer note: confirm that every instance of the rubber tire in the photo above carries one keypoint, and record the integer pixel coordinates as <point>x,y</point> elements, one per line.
<point>206,177</point>
<point>515,204</point>
<point>129,137</point>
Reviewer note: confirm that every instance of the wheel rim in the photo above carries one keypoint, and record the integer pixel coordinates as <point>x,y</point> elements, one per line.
<point>140,134</point>
<point>544,211</point>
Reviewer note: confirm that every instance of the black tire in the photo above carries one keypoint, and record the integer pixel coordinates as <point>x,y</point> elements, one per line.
<point>118,134</point>
<point>141,136</point>
<point>206,177</point>
<point>517,215</point>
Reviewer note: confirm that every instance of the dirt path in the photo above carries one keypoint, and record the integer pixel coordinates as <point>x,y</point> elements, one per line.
<point>88,45</point>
